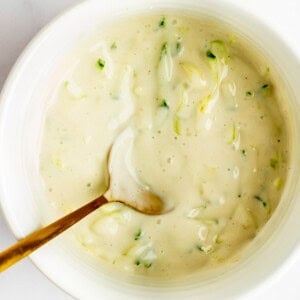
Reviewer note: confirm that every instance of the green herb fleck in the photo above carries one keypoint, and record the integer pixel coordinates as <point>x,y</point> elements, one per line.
<point>248,93</point>
<point>137,262</point>
<point>113,46</point>
<point>162,23</point>
<point>218,51</point>
<point>164,103</point>
<point>209,54</point>
<point>266,89</point>
<point>100,63</point>
<point>138,234</point>
<point>239,195</point>
<point>164,48</point>
<point>148,265</point>
<point>243,152</point>
<point>274,163</point>
<point>88,184</point>
<point>258,198</point>
<point>200,248</point>
<point>178,47</point>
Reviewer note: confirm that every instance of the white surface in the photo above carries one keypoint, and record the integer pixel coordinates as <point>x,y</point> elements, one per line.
<point>19,21</point>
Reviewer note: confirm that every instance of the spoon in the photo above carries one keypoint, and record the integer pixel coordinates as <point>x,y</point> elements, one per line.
<point>124,187</point>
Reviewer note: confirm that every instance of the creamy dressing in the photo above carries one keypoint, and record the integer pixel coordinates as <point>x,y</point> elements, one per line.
<point>208,136</point>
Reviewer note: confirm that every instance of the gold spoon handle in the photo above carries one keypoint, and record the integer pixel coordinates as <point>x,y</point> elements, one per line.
<point>38,238</point>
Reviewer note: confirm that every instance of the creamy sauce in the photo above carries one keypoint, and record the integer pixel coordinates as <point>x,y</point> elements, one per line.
<point>209,138</point>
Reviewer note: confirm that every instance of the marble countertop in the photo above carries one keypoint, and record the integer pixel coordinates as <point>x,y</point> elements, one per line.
<point>20,20</point>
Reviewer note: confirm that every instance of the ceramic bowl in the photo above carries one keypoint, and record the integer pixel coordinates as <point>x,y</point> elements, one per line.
<point>22,113</point>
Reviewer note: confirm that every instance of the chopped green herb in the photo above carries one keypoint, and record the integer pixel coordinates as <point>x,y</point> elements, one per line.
<point>100,63</point>
<point>148,265</point>
<point>239,195</point>
<point>89,184</point>
<point>178,47</point>
<point>274,163</point>
<point>162,22</point>
<point>113,46</point>
<point>243,152</point>
<point>200,248</point>
<point>205,249</point>
<point>266,89</point>
<point>164,48</point>
<point>164,103</point>
<point>138,234</point>
<point>210,54</point>
<point>258,198</point>
<point>218,51</point>
<point>248,93</point>
<point>137,262</point>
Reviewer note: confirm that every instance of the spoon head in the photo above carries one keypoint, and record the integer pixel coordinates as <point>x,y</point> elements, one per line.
<point>125,186</point>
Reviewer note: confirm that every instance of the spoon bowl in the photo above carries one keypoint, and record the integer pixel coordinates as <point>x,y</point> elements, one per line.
<point>125,185</point>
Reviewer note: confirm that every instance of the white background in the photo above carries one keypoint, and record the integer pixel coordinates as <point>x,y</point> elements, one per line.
<point>20,20</point>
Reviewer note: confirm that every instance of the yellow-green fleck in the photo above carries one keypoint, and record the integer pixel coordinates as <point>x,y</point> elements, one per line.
<point>234,134</point>
<point>147,265</point>
<point>243,152</point>
<point>164,49</point>
<point>100,63</point>
<point>113,46</point>
<point>164,103</point>
<point>88,184</point>
<point>273,163</point>
<point>162,23</point>
<point>176,125</point>
<point>178,47</point>
<point>219,240</point>
<point>278,183</point>
<point>138,234</point>
<point>248,93</point>
<point>203,105</point>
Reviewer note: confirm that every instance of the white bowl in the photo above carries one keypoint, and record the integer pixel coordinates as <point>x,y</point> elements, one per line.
<point>23,106</point>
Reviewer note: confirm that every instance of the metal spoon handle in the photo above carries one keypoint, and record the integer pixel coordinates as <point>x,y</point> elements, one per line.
<point>38,238</point>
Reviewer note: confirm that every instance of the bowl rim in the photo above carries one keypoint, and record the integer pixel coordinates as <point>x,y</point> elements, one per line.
<point>5,96</point>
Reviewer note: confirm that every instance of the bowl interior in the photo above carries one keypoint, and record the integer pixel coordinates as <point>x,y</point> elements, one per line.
<point>23,107</point>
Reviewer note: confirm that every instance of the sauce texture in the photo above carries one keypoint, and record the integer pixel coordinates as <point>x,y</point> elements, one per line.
<point>209,138</point>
